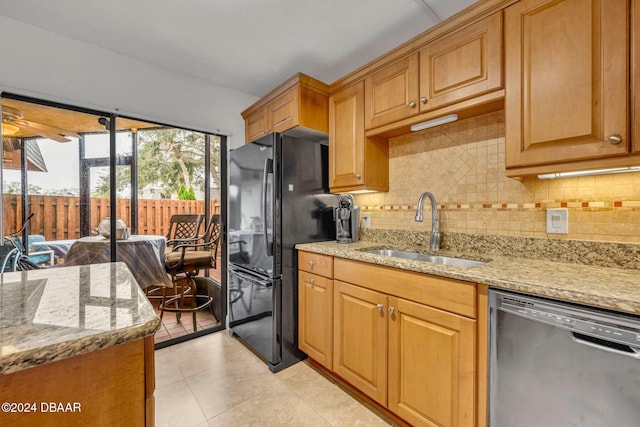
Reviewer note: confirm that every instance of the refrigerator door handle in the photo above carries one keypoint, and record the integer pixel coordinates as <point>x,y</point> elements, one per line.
<point>268,168</point>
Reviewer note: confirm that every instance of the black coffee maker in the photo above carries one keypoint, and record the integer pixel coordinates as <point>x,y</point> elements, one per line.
<point>347,217</point>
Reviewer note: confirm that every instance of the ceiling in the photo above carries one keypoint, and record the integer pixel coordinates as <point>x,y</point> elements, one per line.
<point>247,45</point>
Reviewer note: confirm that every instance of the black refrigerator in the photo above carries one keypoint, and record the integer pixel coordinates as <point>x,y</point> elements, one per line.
<point>278,197</point>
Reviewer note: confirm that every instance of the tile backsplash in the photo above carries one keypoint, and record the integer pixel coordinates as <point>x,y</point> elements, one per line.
<point>462,164</point>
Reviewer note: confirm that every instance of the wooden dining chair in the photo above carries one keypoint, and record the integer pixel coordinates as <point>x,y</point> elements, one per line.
<point>184,262</point>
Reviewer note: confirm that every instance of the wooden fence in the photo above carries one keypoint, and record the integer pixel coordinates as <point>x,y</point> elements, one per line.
<point>58,217</point>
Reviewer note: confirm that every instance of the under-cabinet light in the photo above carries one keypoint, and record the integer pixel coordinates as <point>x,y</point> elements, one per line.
<point>434,122</point>
<point>589,173</point>
<point>362,191</point>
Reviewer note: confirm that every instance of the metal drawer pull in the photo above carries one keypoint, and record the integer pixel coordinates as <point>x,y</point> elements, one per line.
<point>412,104</point>
<point>391,309</point>
<point>615,139</point>
<point>311,263</point>
<point>312,280</point>
<point>379,307</point>
<point>423,99</point>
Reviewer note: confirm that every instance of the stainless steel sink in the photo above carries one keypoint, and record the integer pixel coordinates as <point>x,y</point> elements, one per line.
<point>436,259</point>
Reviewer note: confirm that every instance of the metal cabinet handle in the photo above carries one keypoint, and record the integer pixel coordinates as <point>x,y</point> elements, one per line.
<point>358,176</point>
<point>412,104</point>
<point>312,280</point>
<point>391,309</point>
<point>423,99</point>
<point>379,307</point>
<point>615,139</point>
<point>311,263</point>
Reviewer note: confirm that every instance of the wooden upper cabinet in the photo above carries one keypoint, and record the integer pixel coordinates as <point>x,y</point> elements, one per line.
<point>566,81</point>
<point>462,65</point>
<point>346,137</point>
<point>391,94</point>
<point>256,124</point>
<point>453,68</point>
<point>283,111</point>
<point>355,162</point>
<point>301,102</point>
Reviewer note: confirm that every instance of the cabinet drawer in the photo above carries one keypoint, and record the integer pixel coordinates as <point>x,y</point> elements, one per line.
<point>316,263</point>
<point>450,295</point>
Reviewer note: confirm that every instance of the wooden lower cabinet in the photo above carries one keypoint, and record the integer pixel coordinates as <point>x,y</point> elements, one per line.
<point>315,311</point>
<point>413,343</point>
<point>431,365</point>
<point>108,387</point>
<point>360,339</point>
<point>416,360</point>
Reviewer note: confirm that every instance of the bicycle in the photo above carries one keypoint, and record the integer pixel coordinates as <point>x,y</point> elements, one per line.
<point>14,254</point>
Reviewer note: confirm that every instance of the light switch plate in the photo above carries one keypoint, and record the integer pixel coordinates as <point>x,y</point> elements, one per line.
<point>558,221</point>
<point>366,220</point>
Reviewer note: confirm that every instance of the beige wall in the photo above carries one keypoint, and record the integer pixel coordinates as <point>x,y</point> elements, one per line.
<point>462,164</point>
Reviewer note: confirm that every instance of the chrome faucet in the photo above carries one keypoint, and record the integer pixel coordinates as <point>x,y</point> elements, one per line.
<point>434,239</point>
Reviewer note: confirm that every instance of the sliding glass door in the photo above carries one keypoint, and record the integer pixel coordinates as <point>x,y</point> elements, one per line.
<point>75,168</point>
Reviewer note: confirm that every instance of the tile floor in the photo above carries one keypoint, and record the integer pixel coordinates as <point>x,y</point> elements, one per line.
<point>216,381</point>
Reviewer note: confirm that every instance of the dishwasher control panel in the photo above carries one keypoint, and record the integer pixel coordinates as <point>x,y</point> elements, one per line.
<point>589,322</point>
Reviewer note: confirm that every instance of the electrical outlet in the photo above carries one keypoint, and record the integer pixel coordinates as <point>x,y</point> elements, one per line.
<point>558,221</point>
<point>366,220</point>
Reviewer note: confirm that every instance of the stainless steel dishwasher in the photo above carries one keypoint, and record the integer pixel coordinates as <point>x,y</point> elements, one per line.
<point>559,365</point>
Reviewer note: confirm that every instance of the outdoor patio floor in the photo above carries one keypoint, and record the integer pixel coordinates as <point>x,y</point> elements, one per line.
<point>171,328</point>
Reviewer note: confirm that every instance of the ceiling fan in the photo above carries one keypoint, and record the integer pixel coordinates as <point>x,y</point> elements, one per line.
<point>13,122</point>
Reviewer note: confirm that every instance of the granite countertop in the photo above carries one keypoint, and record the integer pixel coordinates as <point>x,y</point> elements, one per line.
<point>52,314</point>
<point>606,287</point>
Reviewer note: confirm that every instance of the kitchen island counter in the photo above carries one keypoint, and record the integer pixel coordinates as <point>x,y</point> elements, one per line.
<point>605,287</point>
<point>52,314</point>
<point>76,347</point>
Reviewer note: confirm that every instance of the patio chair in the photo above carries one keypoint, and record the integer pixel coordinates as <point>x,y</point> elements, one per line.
<point>39,257</point>
<point>183,263</point>
<point>183,228</point>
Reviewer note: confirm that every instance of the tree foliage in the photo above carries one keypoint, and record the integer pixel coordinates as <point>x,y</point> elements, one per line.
<point>169,158</point>
<point>186,194</point>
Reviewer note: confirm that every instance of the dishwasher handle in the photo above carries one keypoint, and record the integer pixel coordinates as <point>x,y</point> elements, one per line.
<point>609,346</point>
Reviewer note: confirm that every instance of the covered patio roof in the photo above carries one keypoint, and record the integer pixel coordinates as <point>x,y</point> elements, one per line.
<point>34,121</point>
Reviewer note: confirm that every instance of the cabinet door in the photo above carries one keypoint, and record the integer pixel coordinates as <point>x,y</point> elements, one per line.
<point>391,94</point>
<point>257,125</point>
<point>566,80</point>
<point>283,111</point>
<point>462,65</point>
<point>346,136</point>
<point>360,339</point>
<point>635,88</point>
<point>431,365</point>
<point>315,322</point>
